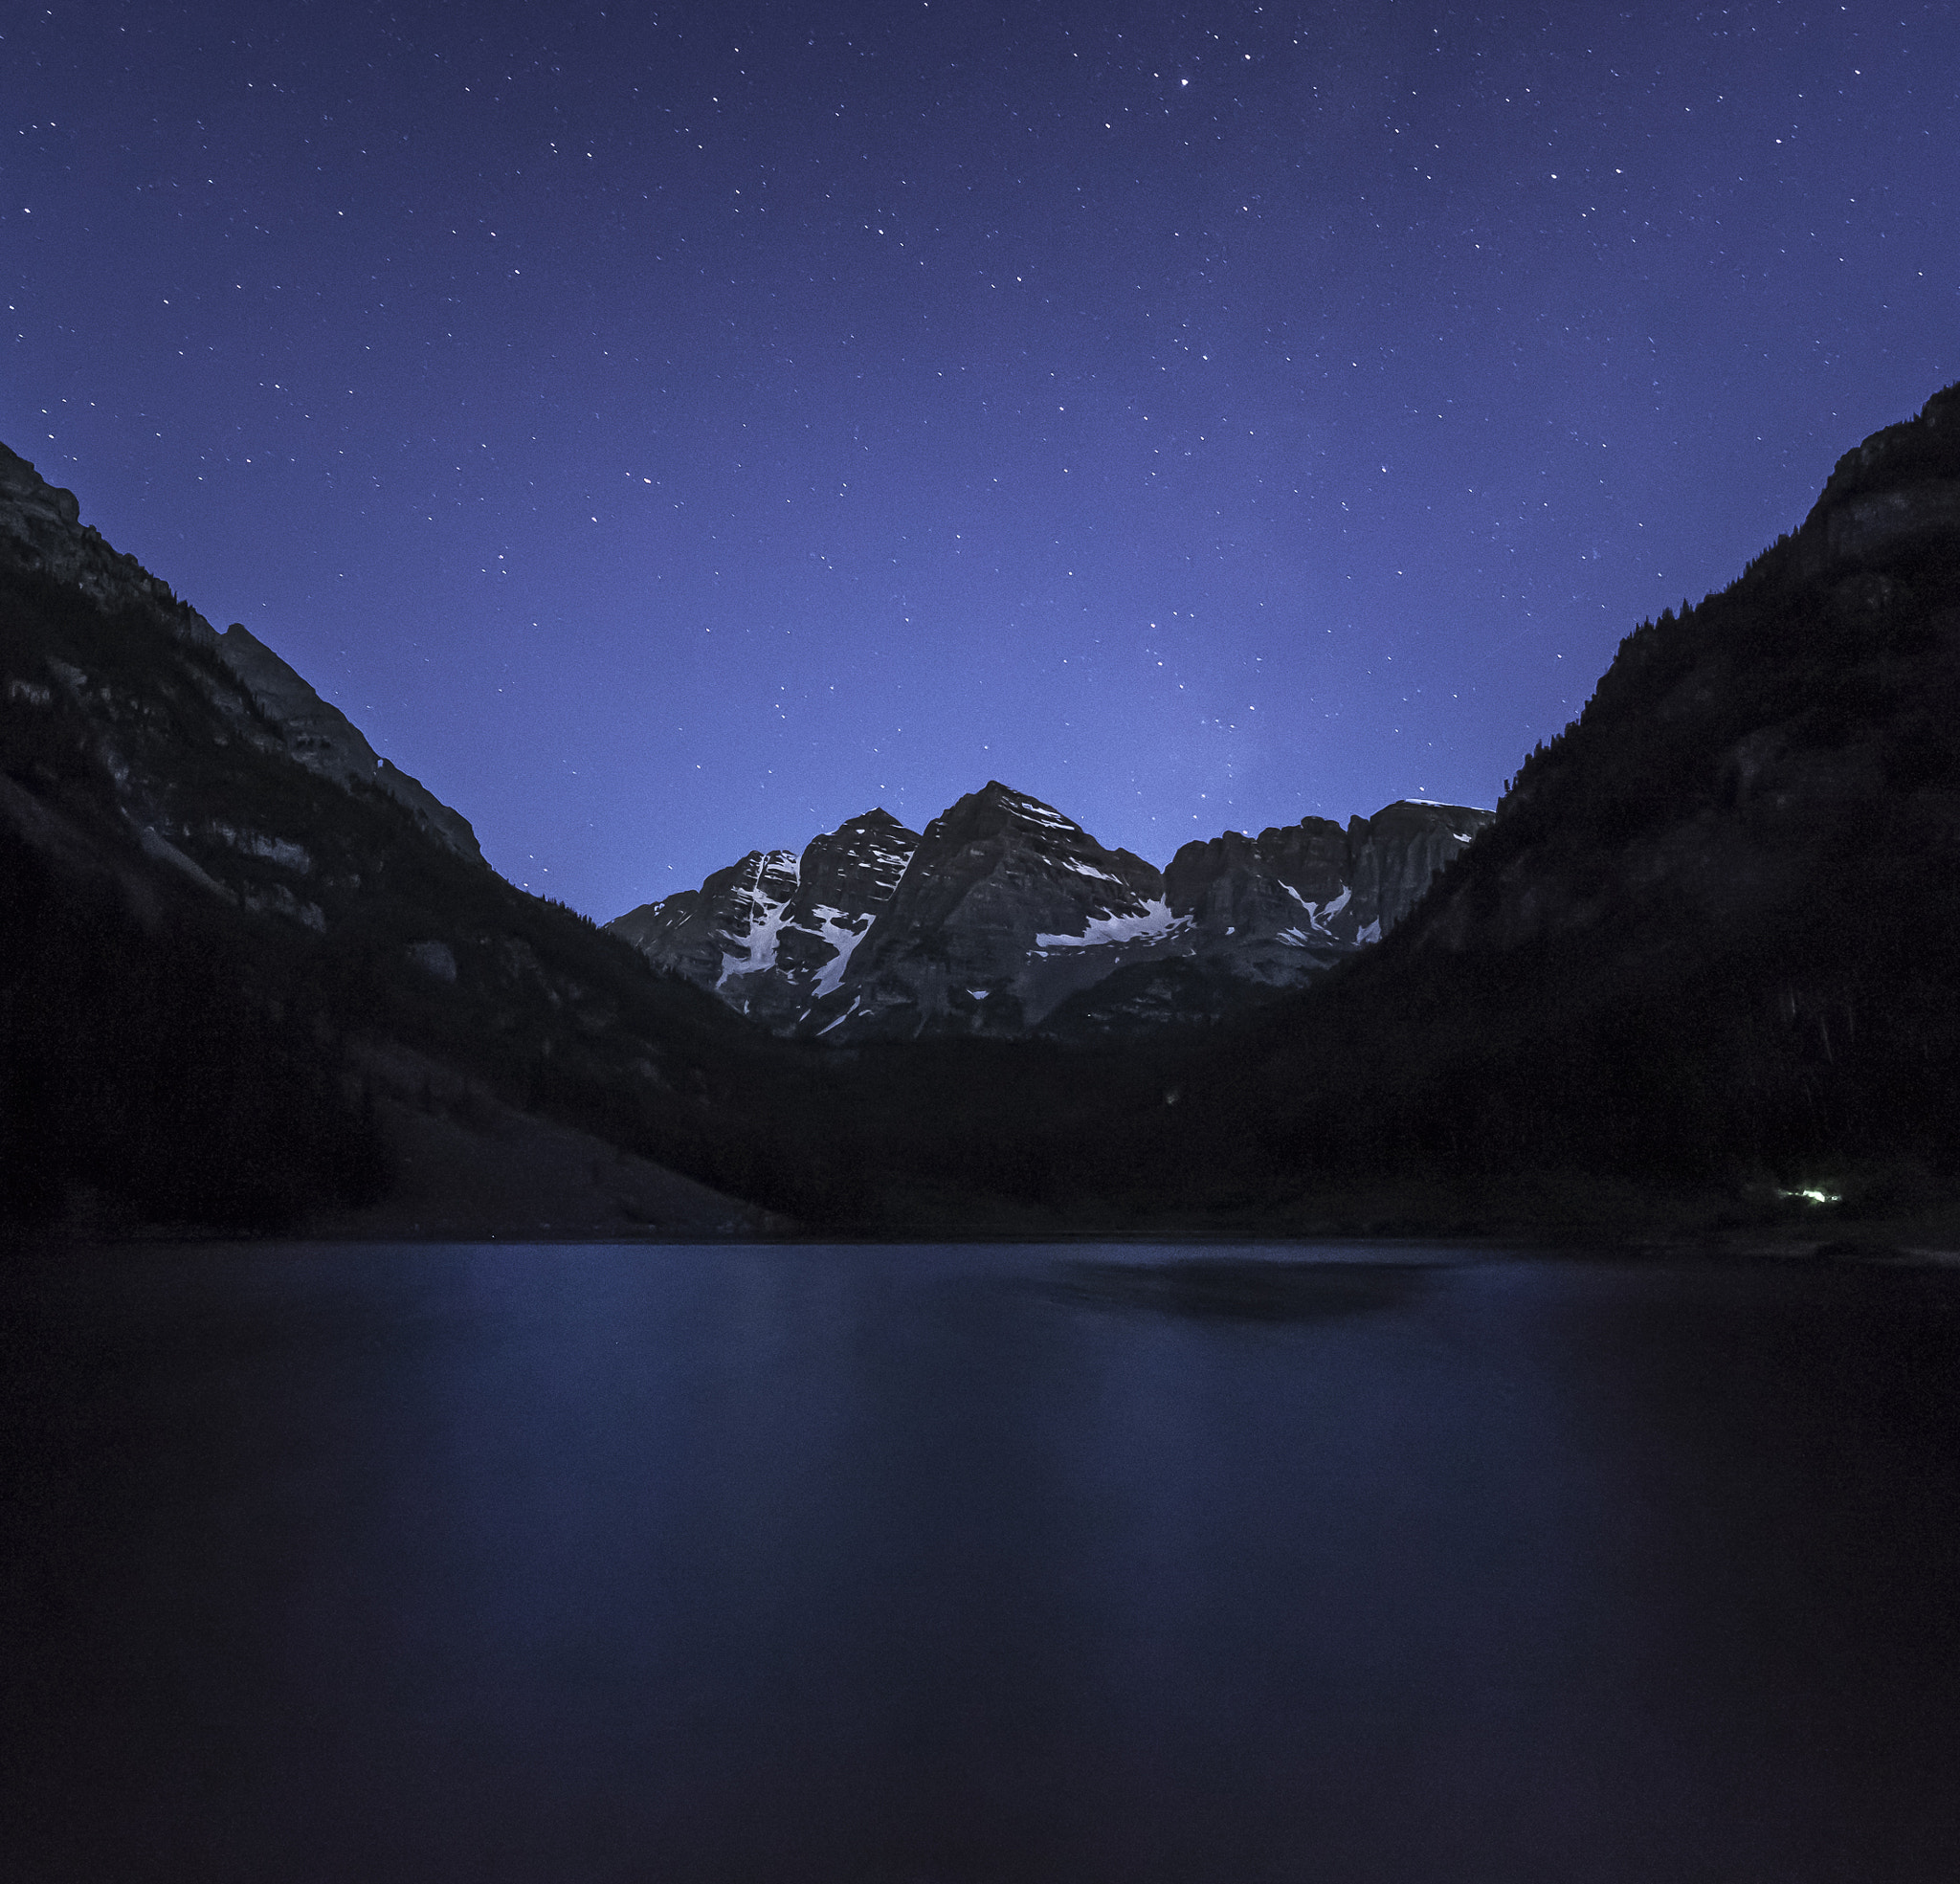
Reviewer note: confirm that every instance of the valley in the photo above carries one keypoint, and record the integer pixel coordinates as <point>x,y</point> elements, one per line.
<point>1696,969</point>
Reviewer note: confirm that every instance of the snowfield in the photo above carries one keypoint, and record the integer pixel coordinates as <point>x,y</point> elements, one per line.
<point>1154,922</point>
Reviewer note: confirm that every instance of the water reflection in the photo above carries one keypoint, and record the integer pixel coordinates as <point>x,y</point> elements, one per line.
<point>964,1565</point>
<point>1243,1288</point>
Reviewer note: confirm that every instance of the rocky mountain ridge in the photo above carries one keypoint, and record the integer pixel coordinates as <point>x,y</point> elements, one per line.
<point>249,972</point>
<point>1718,759</point>
<point>775,932</point>
<point>41,532</point>
<point>1006,917</point>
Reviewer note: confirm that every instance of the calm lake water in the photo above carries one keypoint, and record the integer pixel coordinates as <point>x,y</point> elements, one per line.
<point>905,1564</point>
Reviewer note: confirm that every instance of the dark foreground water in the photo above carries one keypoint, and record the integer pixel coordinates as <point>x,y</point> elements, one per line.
<point>373,1564</point>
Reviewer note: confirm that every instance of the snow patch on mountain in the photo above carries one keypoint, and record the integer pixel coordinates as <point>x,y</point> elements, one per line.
<point>840,1019</point>
<point>1089,869</point>
<point>833,927</point>
<point>1043,817</point>
<point>1153,922</point>
<point>1005,912</point>
<point>757,942</point>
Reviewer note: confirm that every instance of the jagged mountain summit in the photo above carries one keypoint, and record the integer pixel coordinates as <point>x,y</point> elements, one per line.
<point>1006,906</point>
<point>774,933</point>
<point>1006,917</point>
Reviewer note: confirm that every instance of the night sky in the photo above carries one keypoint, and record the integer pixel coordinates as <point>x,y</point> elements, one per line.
<point>670,431</point>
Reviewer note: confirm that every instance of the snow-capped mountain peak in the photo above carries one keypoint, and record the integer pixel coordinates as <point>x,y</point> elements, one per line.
<point>776,931</point>
<point>1006,917</point>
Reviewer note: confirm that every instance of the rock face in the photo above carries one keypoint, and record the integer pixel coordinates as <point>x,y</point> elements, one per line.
<point>1006,907</point>
<point>41,531</point>
<point>774,934</point>
<point>1895,492</point>
<point>1312,885</point>
<point>323,739</point>
<point>1007,917</point>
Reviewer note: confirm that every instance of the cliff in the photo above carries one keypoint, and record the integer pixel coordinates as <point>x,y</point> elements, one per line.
<point>1007,917</point>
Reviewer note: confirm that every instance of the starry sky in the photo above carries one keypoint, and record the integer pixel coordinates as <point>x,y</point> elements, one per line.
<point>670,430</point>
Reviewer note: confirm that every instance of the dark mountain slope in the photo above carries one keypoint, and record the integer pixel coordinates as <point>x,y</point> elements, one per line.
<point>227,926</point>
<point>1713,934</point>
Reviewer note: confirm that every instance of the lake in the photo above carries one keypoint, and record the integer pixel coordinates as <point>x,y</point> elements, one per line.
<point>916,1566</point>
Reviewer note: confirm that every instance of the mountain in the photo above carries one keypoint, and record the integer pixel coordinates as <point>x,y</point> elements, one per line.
<point>1007,917</point>
<point>41,532</point>
<point>774,933</point>
<point>1712,938</point>
<point>1701,969</point>
<point>252,973</point>
<point>1274,912</point>
<point>1777,763</point>
<point>1704,958</point>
